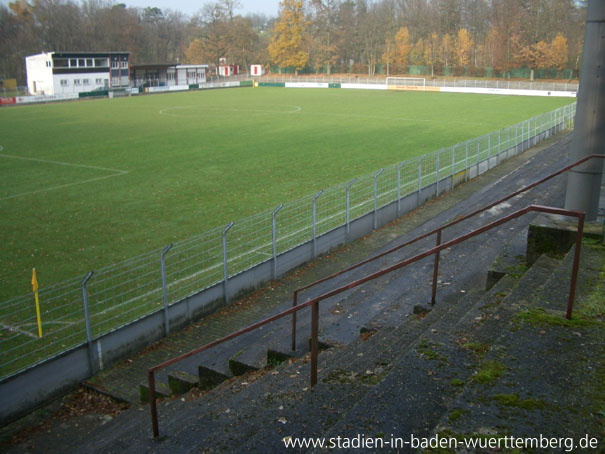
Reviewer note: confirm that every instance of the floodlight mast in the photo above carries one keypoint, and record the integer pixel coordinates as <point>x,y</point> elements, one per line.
<point>584,182</point>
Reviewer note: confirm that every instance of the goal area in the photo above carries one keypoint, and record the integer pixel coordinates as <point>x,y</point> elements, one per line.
<point>406,83</point>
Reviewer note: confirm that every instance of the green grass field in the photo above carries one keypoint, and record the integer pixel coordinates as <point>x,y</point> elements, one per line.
<point>86,184</point>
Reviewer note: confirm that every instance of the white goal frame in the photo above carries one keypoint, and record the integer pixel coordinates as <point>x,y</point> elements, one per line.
<point>415,82</point>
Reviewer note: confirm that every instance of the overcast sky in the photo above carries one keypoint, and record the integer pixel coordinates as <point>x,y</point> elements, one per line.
<point>268,7</point>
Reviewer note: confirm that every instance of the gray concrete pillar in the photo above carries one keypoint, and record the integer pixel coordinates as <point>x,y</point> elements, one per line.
<point>584,182</point>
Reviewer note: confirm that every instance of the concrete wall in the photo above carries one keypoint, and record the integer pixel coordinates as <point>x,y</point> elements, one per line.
<point>24,391</point>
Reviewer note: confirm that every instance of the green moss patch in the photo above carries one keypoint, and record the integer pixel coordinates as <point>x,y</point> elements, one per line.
<point>513,400</point>
<point>489,372</point>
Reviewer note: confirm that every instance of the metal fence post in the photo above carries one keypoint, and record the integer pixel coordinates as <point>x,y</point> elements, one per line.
<point>516,138</point>
<point>225,270</point>
<point>478,154</point>
<point>454,159</point>
<point>437,173</point>
<point>274,239</point>
<point>376,198</point>
<point>401,164</point>
<point>315,223</point>
<point>87,322</point>
<point>348,213</point>
<point>466,163</point>
<point>420,177</point>
<point>489,150</point>
<point>165,289</point>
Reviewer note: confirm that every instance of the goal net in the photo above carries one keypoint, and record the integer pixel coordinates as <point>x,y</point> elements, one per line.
<point>406,83</point>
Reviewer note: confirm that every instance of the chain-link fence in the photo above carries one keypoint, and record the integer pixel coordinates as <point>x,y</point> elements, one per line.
<point>78,310</point>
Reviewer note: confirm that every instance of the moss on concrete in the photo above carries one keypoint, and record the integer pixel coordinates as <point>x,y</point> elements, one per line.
<point>489,372</point>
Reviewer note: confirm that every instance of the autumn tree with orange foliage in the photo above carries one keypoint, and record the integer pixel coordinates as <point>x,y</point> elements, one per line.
<point>464,46</point>
<point>402,49</point>
<point>286,47</point>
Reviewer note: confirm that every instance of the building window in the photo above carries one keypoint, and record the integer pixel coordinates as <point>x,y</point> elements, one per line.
<point>99,81</point>
<point>64,82</point>
<point>89,63</point>
<point>86,81</point>
<point>81,63</point>
<point>101,63</point>
<point>73,63</point>
<point>115,65</point>
<point>61,63</point>
<point>124,64</point>
<point>170,76</point>
<point>76,81</point>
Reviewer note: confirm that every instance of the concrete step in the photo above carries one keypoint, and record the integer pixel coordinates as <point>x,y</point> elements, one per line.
<point>510,260</point>
<point>537,376</point>
<point>350,374</point>
<point>425,379</point>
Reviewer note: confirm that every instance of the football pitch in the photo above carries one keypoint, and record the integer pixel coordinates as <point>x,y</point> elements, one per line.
<point>86,184</point>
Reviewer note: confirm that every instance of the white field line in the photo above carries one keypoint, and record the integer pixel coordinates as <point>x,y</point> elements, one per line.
<point>378,117</point>
<point>15,329</point>
<point>52,188</point>
<point>296,109</point>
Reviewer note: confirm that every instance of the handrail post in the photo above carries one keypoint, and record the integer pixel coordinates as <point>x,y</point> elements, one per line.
<point>225,270</point>
<point>87,322</point>
<point>274,238</point>
<point>315,223</point>
<point>376,198</point>
<point>314,342</point>
<point>399,166</point>
<point>348,214</point>
<point>152,404</point>
<point>436,269</point>
<point>165,289</point>
<point>576,265</point>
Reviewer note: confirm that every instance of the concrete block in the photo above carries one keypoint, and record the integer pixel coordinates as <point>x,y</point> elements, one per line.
<point>181,382</point>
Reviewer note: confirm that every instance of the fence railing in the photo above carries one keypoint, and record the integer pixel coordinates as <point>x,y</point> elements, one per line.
<point>79,310</point>
<point>455,83</point>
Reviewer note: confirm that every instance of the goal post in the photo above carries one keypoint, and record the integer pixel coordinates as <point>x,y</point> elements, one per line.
<point>406,83</point>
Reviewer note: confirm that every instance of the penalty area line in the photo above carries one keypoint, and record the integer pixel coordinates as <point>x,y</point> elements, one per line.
<point>116,173</point>
<point>14,329</point>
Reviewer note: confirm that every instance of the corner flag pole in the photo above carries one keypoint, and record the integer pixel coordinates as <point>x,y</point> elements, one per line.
<point>35,289</point>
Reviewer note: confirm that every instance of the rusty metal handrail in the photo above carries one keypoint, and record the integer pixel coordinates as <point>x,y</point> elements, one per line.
<point>314,302</point>
<point>425,235</point>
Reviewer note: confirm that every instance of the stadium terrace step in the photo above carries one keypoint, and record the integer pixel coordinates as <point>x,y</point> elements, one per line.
<point>427,376</point>
<point>211,376</point>
<point>510,260</point>
<point>181,382</point>
<point>360,368</point>
<point>537,376</point>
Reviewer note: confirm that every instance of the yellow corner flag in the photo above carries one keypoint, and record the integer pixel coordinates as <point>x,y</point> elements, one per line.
<point>35,290</point>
